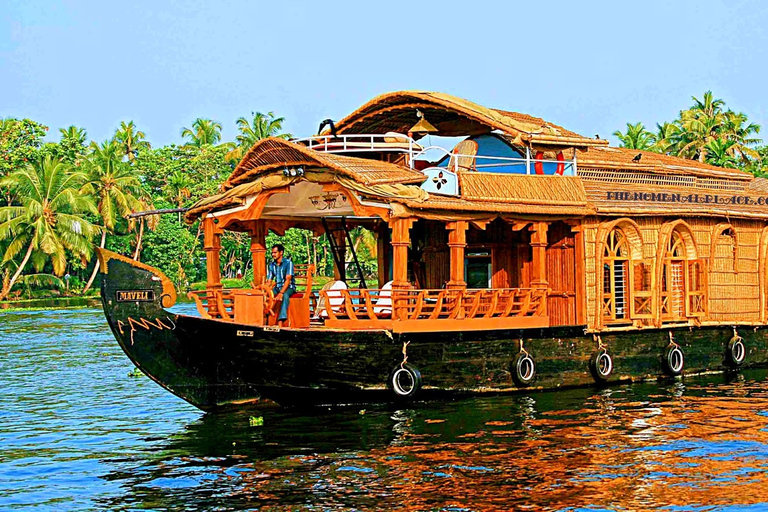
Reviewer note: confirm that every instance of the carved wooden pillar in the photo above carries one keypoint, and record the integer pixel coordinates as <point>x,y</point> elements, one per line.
<point>539,249</point>
<point>212,247</point>
<point>401,238</point>
<point>259,251</point>
<point>457,241</point>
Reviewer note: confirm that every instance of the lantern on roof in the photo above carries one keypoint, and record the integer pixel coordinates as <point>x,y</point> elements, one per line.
<point>421,128</point>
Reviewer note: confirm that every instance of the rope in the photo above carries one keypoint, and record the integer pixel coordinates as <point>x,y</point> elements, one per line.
<point>405,353</point>
<point>522,348</point>
<point>600,344</point>
<point>672,340</point>
<point>736,335</point>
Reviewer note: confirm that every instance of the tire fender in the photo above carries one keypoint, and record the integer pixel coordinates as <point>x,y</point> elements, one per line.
<point>405,381</point>
<point>736,352</point>
<point>523,369</point>
<point>601,365</point>
<point>674,360</point>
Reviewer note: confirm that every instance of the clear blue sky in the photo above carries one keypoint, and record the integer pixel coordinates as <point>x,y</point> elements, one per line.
<point>589,66</point>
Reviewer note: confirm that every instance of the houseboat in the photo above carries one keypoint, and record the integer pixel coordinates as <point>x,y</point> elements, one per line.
<point>525,257</point>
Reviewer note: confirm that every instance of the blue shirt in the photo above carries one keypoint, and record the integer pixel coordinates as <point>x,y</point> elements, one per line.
<point>277,273</point>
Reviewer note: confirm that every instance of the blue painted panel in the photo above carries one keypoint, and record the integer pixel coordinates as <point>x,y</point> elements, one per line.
<point>441,181</point>
<point>493,146</point>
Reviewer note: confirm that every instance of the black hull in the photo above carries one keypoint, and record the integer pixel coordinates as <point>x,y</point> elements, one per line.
<point>212,364</point>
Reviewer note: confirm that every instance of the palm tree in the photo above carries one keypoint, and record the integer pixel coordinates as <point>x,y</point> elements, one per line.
<point>736,129</point>
<point>637,137</point>
<point>667,135</point>
<point>204,132</point>
<point>696,131</point>
<point>131,140</point>
<point>50,219</point>
<point>720,153</point>
<point>177,188</point>
<point>72,143</point>
<point>113,184</point>
<point>151,221</point>
<point>708,106</point>
<point>260,127</point>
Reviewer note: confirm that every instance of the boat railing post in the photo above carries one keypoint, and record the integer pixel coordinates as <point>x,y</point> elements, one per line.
<point>527,160</point>
<point>575,168</point>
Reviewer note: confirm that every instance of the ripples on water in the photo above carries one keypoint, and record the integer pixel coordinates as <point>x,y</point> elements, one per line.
<point>78,433</point>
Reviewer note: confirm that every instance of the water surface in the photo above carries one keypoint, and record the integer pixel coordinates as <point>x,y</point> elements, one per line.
<point>77,432</point>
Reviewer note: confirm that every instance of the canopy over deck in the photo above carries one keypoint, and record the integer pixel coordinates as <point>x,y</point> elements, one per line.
<point>271,154</point>
<point>269,165</point>
<point>452,116</point>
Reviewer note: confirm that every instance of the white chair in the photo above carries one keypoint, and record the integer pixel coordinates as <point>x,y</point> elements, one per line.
<point>335,299</point>
<point>383,304</point>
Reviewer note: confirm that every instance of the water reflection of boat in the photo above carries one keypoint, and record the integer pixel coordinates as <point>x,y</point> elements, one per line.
<point>639,447</point>
<point>527,257</point>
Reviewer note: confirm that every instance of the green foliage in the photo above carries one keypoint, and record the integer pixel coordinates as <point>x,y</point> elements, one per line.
<point>205,168</point>
<point>204,132</point>
<point>262,126</point>
<point>131,141</point>
<point>72,144</point>
<point>707,132</point>
<point>636,137</point>
<point>50,220</point>
<point>20,141</point>
<point>114,183</point>
<point>174,249</point>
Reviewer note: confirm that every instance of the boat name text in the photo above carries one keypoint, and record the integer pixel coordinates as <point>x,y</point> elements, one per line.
<point>665,197</point>
<point>135,296</point>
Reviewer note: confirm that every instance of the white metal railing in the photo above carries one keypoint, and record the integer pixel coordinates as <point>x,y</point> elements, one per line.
<point>496,161</point>
<point>350,143</point>
<point>393,142</point>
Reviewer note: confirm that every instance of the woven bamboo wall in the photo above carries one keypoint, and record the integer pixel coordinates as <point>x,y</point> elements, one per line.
<point>733,276</point>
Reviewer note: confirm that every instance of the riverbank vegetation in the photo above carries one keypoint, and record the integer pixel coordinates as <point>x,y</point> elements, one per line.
<point>708,132</point>
<point>60,199</point>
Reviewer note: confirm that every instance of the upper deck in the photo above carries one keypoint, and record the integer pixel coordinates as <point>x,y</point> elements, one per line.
<point>505,228</point>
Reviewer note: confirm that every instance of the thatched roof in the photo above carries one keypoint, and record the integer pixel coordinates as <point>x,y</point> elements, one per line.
<point>269,154</point>
<point>454,116</point>
<point>622,158</point>
<point>611,181</point>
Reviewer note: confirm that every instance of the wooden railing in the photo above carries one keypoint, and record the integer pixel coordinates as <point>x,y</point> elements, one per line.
<point>213,303</point>
<point>425,310</point>
<point>400,310</point>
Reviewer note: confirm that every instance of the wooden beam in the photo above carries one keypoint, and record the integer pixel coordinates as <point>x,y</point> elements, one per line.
<point>457,242</point>
<point>520,225</point>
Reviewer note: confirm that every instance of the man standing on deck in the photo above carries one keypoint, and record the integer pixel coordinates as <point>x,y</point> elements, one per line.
<point>280,277</point>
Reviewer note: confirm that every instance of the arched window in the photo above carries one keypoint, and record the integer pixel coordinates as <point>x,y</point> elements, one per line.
<point>626,286</point>
<point>723,257</point>
<point>616,261</point>
<point>683,281</point>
